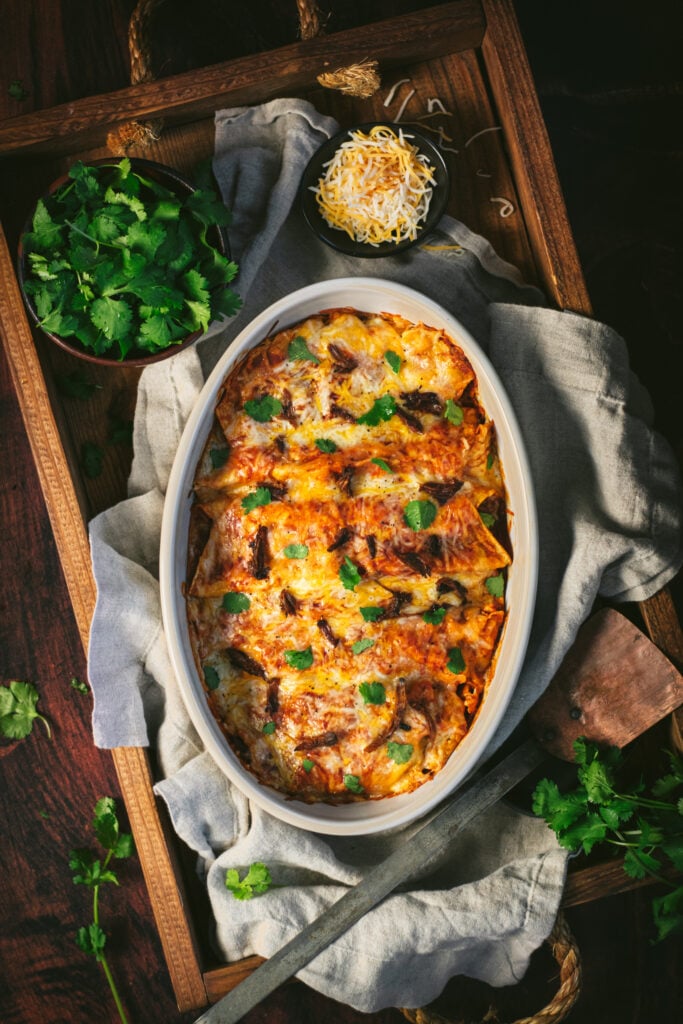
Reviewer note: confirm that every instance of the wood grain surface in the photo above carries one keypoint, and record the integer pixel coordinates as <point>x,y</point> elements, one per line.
<point>55,51</point>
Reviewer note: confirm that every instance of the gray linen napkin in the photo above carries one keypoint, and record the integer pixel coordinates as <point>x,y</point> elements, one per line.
<point>609,506</point>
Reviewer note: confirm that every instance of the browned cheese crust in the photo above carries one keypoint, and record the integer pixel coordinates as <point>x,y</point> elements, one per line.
<point>348,556</point>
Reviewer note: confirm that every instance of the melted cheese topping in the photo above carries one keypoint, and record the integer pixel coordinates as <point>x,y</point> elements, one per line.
<point>377,187</point>
<point>348,555</point>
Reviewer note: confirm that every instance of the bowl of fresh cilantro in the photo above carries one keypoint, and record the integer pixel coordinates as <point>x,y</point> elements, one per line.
<point>124,260</point>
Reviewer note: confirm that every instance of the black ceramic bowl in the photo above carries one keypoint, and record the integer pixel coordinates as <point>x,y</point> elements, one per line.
<point>162,175</point>
<point>339,239</point>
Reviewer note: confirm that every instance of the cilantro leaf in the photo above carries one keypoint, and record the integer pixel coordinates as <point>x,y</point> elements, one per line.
<point>456,662</point>
<point>383,464</point>
<point>453,412</point>
<point>91,459</point>
<point>496,586</point>
<point>373,693</point>
<point>393,359</point>
<point>380,411</point>
<point>295,551</point>
<point>371,612</point>
<point>78,684</point>
<point>233,602</point>
<point>299,350</point>
<point>269,728</point>
<point>307,764</point>
<point>300,659</point>
<point>668,913</point>
<point>257,880</point>
<point>419,514</point>
<point>324,444</point>
<point>435,615</point>
<point>91,940</point>
<point>362,645</point>
<point>487,519</point>
<point>400,753</point>
<point>211,677</point>
<point>349,574</point>
<point>219,456</point>
<point>261,496</point>
<point>353,783</point>
<point>18,710</point>
<point>75,384</point>
<point>263,409</point>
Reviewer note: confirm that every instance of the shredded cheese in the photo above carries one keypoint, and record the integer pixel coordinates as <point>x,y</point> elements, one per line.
<point>506,207</point>
<point>393,90</point>
<point>401,109</point>
<point>377,187</point>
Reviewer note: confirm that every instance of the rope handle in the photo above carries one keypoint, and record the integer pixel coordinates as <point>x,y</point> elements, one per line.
<point>361,79</point>
<point>566,953</point>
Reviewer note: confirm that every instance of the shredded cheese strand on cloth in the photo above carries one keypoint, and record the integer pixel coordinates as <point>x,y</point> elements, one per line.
<point>377,187</point>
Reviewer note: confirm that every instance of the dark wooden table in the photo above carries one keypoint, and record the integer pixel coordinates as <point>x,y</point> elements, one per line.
<point>48,787</point>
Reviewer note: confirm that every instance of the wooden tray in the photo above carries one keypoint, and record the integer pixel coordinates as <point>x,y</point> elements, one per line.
<point>468,54</point>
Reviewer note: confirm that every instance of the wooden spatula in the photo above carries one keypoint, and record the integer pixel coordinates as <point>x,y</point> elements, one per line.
<point>612,686</point>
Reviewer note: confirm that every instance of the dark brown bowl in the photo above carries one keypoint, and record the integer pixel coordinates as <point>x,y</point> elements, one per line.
<point>162,175</point>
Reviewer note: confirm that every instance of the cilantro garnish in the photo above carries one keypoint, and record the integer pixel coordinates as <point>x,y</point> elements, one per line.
<point>373,693</point>
<point>124,264</point>
<point>400,753</point>
<point>16,89</point>
<point>453,412</point>
<point>269,728</point>
<point>383,464</point>
<point>361,645</point>
<point>298,349</point>
<point>263,409</point>
<point>78,684</point>
<point>490,459</point>
<point>393,359</point>
<point>456,662</point>
<point>372,612</point>
<point>261,496</point>
<point>434,616</point>
<point>307,764</point>
<point>75,384</point>
<point>324,444</point>
<point>348,574</point>
<point>487,519</point>
<point>645,823</point>
<point>219,456</point>
<point>233,602</point>
<point>419,514</point>
<point>18,701</point>
<point>300,659</point>
<point>353,783</point>
<point>92,872</point>
<point>381,410</point>
<point>295,551</point>
<point>211,677</point>
<point>256,881</point>
<point>495,586</point>
<point>91,459</point>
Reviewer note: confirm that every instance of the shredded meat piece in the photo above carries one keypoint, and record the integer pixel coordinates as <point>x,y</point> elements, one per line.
<point>441,491</point>
<point>288,603</point>
<point>273,697</point>
<point>258,565</point>
<point>344,362</point>
<point>423,401</point>
<point>327,739</point>
<point>409,419</point>
<point>245,662</point>
<point>342,538</point>
<point>414,562</point>
<point>326,630</point>
<point>341,412</point>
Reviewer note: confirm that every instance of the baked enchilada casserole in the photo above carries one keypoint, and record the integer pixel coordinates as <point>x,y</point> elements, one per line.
<point>348,555</point>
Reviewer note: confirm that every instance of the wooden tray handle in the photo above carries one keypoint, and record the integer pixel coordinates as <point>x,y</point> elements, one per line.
<point>361,79</point>
<point>566,954</point>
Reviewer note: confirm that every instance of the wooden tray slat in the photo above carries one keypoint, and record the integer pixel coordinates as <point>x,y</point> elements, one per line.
<point>448,28</point>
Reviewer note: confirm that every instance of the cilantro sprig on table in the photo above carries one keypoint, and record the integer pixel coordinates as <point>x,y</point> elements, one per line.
<point>645,823</point>
<point>18,710</point>
<point>257,880</point>
<point>122,263</point>
<point>91,871</point>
